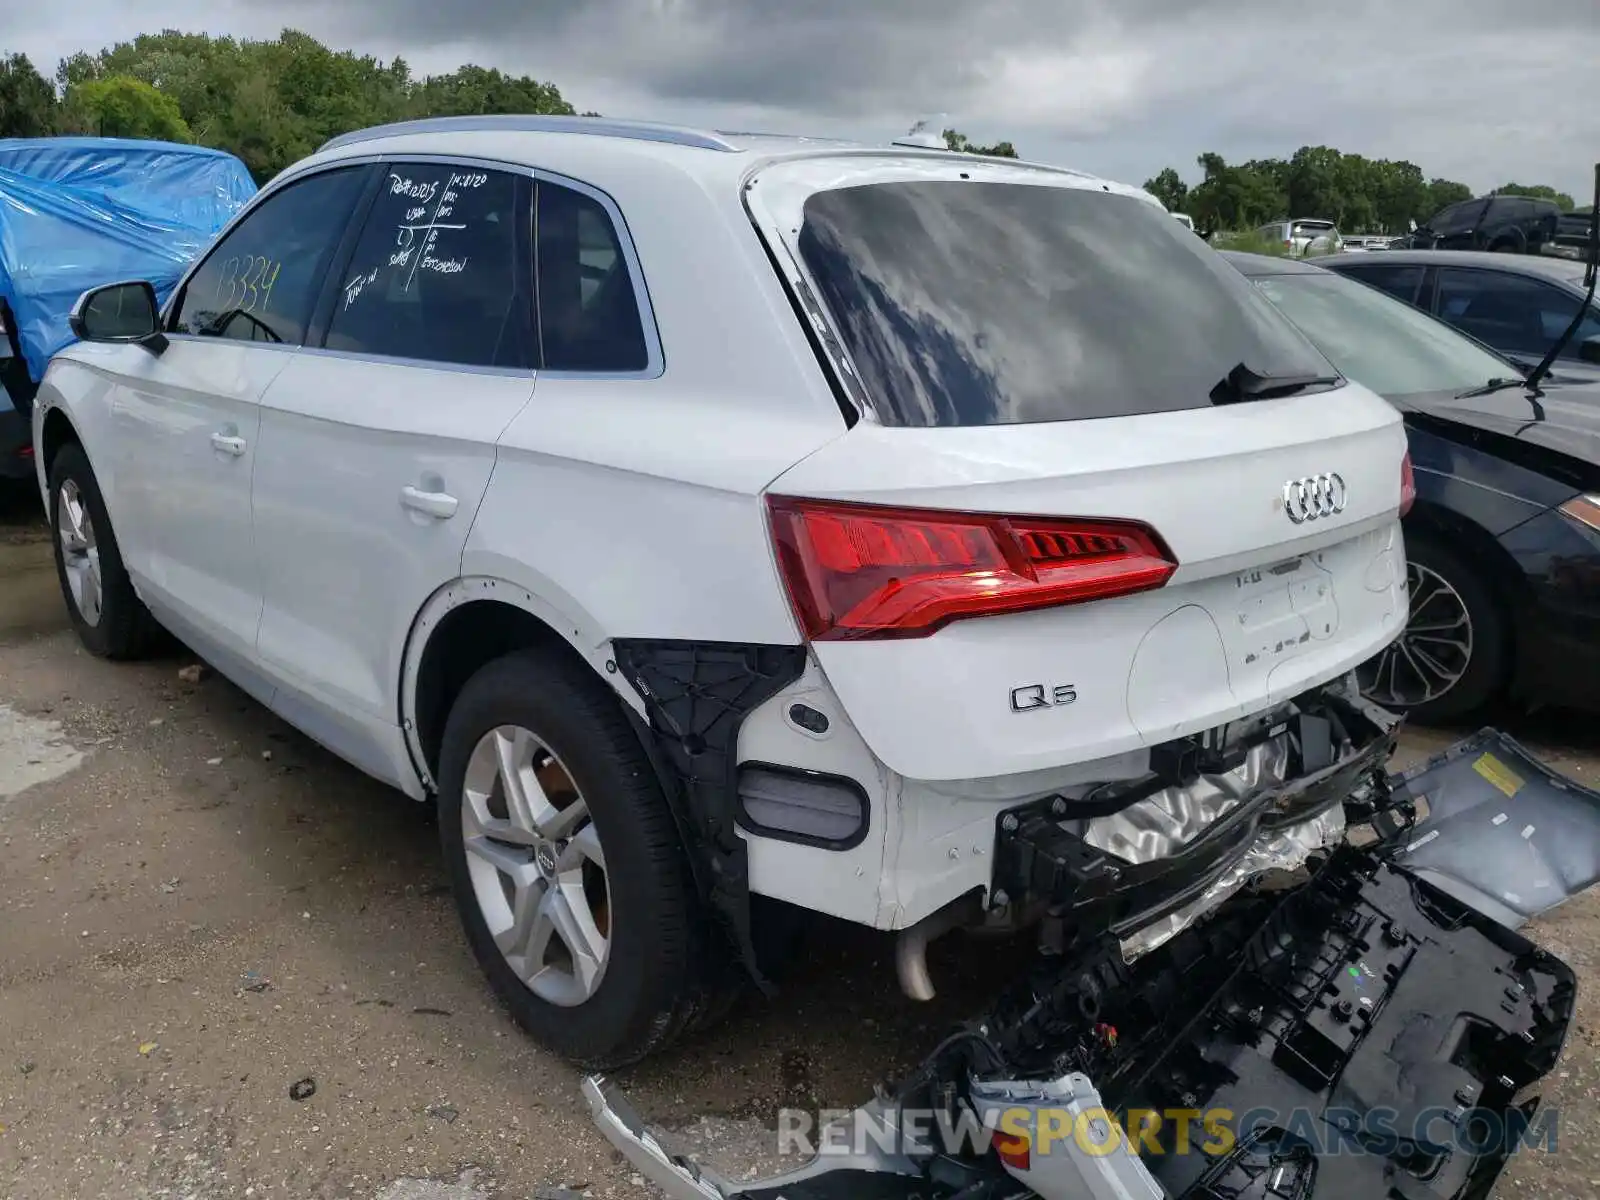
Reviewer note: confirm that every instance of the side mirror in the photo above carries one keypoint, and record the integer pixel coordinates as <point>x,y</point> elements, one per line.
<point>1589,350</point>
<point>119,312</point>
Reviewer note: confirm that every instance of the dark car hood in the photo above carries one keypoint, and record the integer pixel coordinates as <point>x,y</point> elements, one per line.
<point>1570,424</point>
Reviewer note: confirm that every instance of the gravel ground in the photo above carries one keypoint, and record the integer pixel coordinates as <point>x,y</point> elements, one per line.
<point>199,910</point>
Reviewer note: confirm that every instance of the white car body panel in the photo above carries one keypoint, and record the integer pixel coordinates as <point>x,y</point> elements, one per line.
<point>346,444</point>
<point>184,443</point>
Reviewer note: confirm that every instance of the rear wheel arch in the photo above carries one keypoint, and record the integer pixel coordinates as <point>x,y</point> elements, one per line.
<point>465,625</point>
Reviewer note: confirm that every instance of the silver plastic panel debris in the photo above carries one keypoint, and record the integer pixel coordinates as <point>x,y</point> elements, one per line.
<point>1090,1160</point>
<point>625,1130</point>
<point>872,1127</point>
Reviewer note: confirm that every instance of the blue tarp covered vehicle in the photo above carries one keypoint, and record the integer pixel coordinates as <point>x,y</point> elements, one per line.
<point>77,212</point>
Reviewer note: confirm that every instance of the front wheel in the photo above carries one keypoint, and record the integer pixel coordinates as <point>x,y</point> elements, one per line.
<point>572,884</point>
<point>1453,655</point>
<point>111,620</point>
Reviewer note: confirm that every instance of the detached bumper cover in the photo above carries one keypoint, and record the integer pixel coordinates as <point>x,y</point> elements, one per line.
<point>1376,1031</point>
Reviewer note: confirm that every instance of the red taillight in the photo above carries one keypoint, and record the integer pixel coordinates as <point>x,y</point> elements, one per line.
<point>1408,485</point>
<point>1013,1149</point>
<point>864,571</point>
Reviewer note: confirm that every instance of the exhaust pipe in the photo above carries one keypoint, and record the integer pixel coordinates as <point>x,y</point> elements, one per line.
<point>911,945</point>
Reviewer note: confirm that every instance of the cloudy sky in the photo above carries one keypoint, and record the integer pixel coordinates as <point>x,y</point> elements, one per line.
<point>1484,91</point>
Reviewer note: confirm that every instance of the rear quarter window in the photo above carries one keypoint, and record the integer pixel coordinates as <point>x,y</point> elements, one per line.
<point>984,303</point>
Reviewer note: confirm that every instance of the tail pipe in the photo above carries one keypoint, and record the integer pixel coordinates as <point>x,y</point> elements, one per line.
<point>911,945</point>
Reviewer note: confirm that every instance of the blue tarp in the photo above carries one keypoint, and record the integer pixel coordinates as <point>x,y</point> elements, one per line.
<point>79,212</point>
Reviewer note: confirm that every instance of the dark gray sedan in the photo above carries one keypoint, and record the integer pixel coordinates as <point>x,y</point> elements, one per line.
<point>1519,304</point>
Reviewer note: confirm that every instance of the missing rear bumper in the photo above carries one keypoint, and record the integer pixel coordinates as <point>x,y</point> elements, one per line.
<point>1149,858</point>
<point>1361,1033</point>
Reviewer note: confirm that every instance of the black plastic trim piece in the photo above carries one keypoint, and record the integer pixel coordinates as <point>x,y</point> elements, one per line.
<point>750,825</point>
<point>697,695</point>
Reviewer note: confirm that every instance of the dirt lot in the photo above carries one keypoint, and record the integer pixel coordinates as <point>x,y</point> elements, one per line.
<point>198,909</point>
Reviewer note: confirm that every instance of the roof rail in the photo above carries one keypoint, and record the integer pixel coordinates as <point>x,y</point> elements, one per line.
<point>642,131</point>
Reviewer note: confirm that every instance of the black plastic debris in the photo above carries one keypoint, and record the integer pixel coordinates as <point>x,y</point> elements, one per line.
<point>303,1089</point>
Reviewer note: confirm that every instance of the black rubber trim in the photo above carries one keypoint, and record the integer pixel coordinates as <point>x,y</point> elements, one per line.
<point>697,695</point>
<point>750,825</point>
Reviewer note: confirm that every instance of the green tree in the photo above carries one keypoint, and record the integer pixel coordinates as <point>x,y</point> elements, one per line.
<point>27,101</point>
<point>1442,193</point>
<point>274,101</point>
<point>958,142</point>
<point>1167,187</point>
<point>473,89</point>
<point>1359,194</point>
<point>1538,191</point>
<point>122,106</point>
<point>1235,197</point>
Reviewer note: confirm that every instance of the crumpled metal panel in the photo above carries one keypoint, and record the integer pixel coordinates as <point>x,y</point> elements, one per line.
<point>1161,825</point>
<point>1281,850</point>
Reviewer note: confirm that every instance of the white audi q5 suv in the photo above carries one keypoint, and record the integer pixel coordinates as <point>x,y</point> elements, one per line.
<point>712,523</point>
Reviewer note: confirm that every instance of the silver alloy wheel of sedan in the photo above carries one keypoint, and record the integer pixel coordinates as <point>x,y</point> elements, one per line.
<point>1431,655</point>
<point>80,552</point>
<point>537,869</point>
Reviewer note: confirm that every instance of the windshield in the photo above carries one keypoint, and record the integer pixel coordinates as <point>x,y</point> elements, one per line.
<point>986,303</point>
<point>1393,348</point>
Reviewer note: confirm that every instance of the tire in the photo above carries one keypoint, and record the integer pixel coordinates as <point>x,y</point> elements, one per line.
<point>116,625</point>
<point>662,964</point>
<point>1485,665</point>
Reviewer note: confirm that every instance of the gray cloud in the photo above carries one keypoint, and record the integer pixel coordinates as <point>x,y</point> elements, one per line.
<point>1479,90</point>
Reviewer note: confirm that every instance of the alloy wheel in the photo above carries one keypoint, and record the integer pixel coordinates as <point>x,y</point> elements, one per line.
<point>1433,652</point>
<point>80,552</point>
<point>537,868</point>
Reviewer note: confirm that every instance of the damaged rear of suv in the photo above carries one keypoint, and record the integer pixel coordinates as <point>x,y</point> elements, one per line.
<point>1081,593</point>
<point>1370,1026</point>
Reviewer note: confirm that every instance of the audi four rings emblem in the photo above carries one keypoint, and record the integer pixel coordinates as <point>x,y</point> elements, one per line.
<point>1313,497</point>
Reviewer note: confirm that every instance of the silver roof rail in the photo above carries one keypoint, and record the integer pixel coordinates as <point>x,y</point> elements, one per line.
<point>641,131</point>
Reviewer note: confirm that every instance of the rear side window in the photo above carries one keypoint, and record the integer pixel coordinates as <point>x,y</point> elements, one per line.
<point>1458,218</point>
<point>588,311</point>
<point>261,281</point>
<point>968,303</point>
<point>1509,311</point>
<point>441,271</point>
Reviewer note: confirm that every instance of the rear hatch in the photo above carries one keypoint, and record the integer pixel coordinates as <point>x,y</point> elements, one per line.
<point>1104,495</point>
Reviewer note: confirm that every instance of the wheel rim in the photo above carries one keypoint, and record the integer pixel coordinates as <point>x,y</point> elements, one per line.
<point>80,552</point>
<point>537,868</point>
<point>1433,653</point>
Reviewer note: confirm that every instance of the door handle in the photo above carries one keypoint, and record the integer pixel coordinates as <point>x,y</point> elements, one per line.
<point>433,504</point>
<point>227,444</point>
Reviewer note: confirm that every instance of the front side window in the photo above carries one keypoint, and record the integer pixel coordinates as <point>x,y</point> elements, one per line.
<point>987,303</point>
<point>261,281</point>
<point>1507,311</point>
<point>1400,281</point>
<point>441,271</point>
<point>1394,349</point>
<point>588,311</point>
